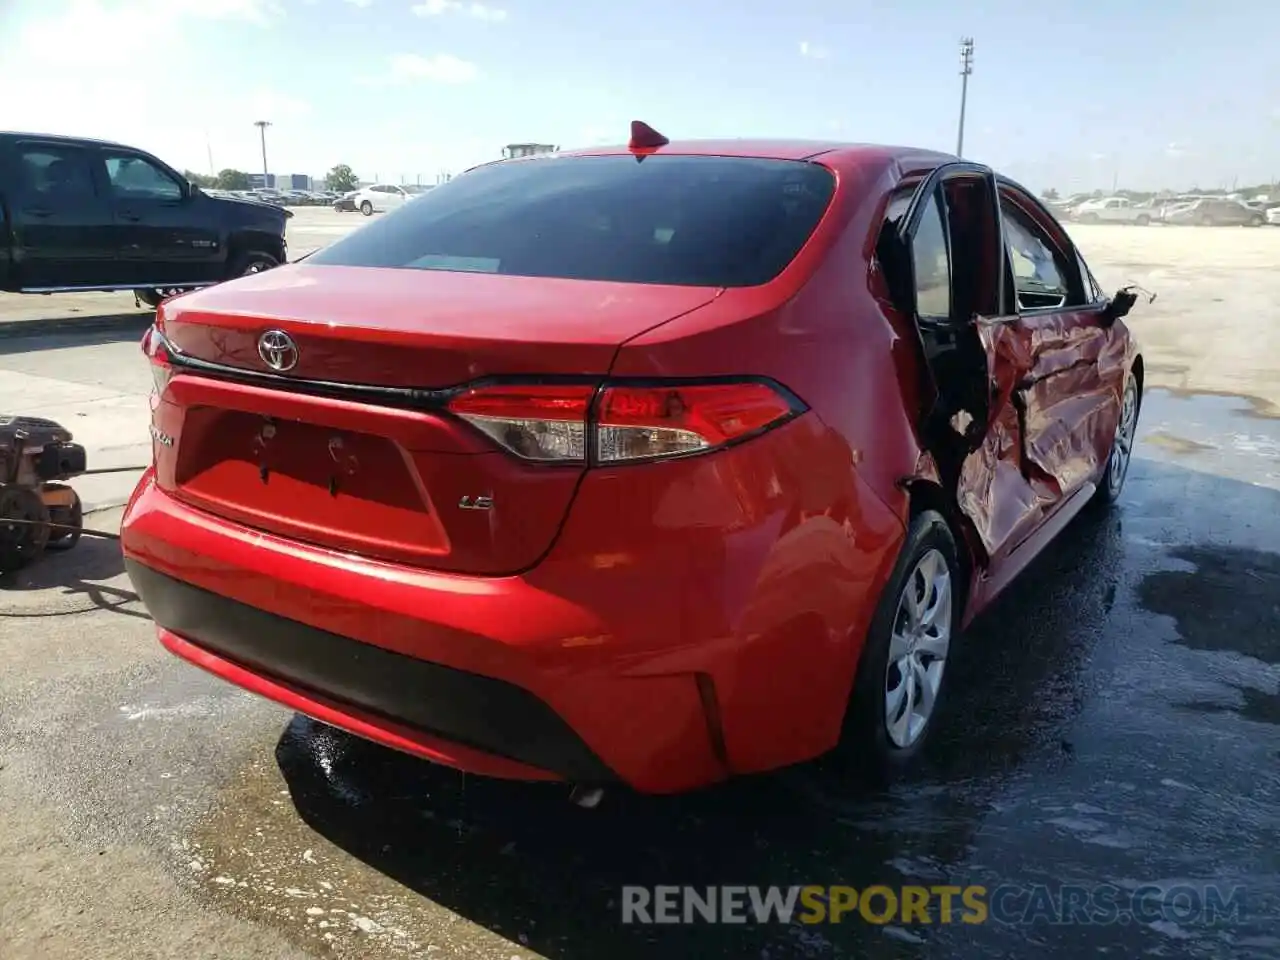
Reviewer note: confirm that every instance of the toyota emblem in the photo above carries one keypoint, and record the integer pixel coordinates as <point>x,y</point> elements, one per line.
<point>278,351</point>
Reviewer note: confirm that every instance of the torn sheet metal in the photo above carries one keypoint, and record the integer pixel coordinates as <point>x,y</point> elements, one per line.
<point>1055,402</point>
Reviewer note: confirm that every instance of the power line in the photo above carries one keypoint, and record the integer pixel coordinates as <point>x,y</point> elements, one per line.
<point>966,68</point>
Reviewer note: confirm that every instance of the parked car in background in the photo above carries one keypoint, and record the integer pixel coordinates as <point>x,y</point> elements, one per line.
<point>347,202</point>
<point>1215,212</point>
<point>381,197</point>
<point>1273,215</point>
<point>657,473</point>
<point>80,214</point>
<point>1116,210</point>
<point>268,195</point>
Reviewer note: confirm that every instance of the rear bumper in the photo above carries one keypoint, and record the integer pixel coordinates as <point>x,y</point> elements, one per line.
<point>691,622</point>
<point>290,662</point>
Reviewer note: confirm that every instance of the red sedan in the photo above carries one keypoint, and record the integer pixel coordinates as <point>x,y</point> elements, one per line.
<point>649,465</point>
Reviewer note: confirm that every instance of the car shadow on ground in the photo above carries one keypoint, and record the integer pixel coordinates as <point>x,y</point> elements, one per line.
<point>520,860</point>
<point>30,336</point>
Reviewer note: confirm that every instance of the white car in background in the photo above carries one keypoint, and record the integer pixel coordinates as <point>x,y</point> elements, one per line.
<point>380,198</point>
<point>1116,210</point>
<point>1273,216</point>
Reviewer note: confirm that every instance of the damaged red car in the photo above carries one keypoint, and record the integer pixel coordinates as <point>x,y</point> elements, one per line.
<point>649,465</point>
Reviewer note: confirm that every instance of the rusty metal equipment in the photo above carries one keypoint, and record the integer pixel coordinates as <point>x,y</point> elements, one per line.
<point>38,509</point>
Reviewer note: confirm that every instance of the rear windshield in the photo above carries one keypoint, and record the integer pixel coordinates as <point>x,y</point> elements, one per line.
<point>693,221</point>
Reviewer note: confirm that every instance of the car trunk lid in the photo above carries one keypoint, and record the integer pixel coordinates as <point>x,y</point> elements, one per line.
<point>311,453</point>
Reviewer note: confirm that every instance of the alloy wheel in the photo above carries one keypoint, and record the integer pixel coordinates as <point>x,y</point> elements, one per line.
<point>1122,445</point>
<point>918,649</point>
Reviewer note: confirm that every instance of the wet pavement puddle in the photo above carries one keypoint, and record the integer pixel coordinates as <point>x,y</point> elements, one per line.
<point>1114,724</point>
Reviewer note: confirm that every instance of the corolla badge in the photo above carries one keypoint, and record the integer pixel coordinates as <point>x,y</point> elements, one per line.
<point>278,351</point>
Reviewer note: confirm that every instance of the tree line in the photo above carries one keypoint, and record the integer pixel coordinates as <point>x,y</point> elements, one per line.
<point>341,178</point>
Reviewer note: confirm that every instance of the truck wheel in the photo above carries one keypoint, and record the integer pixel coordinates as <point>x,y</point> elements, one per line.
<point>1144,221</point>
<point>254,261</point>
<point>155,295</point>
<point>366,208</point>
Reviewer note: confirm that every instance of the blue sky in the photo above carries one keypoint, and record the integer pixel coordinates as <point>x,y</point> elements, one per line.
<point>1142,94</point>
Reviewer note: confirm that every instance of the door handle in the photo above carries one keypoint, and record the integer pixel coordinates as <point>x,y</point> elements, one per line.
<point>130,216</point>
<point>38,212</point>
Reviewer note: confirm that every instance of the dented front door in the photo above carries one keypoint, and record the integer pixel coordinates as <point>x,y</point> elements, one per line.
<point>1056,371</point>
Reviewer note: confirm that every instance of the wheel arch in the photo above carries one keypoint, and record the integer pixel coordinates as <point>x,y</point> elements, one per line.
<point>925,494</point>
<point>253,241</point>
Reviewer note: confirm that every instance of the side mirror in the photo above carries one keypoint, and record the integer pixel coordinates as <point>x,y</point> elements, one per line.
<point>1119,306</point>
<point>1124,301</point>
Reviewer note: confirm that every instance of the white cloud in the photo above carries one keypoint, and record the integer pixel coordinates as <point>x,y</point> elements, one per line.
<point>438,68</point>
<point>475,10</point>
<point>92,32</point>
<point>71,45</point>
<point>813,51</point>
<point>1175,150</point>
<point>360,3</point>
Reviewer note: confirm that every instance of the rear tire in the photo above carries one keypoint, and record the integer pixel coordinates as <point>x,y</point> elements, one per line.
<point>902,675</point>
<point>1144,221</point>
<point>154,296</point>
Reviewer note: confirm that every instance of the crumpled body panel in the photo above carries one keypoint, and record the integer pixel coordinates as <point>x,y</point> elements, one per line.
<point>1056,381</point>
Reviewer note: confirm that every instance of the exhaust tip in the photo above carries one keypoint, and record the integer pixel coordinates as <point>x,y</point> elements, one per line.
<point>586,797</point>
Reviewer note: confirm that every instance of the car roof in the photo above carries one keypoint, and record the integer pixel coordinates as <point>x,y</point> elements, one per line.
<point>65,138</point>
<point>844,155</point>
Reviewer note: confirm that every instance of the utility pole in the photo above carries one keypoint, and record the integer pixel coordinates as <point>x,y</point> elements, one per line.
<point>966,68</point>
<point>262,130</point>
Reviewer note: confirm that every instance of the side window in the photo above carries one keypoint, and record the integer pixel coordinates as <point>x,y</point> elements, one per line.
<point>932,263</point>
<point>1041,276</point>
<point>133,178</point>
<point>1093,290</point>
<point>55,174</point>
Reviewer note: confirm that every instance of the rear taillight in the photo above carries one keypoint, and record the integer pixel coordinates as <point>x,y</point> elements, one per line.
<point>156,349</point>
<point>625,422</point>
<point>537,422</point>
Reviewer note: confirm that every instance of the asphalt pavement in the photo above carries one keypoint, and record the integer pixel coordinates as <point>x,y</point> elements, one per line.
<point>1115,725</point>
<point>1114,730</point>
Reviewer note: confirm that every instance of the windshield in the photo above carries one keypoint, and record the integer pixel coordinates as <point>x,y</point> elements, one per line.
<point>695,221</point>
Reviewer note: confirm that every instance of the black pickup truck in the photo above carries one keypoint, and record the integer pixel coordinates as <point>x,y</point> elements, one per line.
<point>79,214</point>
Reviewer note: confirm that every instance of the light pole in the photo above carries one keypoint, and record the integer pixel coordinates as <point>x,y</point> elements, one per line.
<point>262,130</point>
<point>966,68</point>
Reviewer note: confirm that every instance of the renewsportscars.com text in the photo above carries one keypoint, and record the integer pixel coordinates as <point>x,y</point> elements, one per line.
<point>938,904</point>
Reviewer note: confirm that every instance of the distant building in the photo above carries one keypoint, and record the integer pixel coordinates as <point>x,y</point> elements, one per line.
<point>513,150</point>
<point>277,181</point>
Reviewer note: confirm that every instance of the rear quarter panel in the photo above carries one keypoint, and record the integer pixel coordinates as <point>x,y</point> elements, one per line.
<point>821,329</point>
<point>825,330</point>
